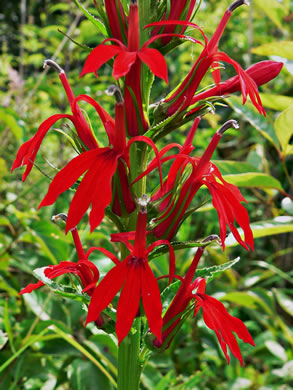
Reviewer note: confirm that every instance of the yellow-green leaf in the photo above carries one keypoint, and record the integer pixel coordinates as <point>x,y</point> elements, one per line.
<point>254,179</point>
<point>284,130</point>
<point>282,49</point>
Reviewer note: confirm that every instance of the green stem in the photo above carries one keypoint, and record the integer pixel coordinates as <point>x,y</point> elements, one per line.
<point>129,365</point>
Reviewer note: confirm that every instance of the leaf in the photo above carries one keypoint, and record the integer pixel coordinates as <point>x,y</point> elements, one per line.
<point>97,23</point>
<point>277,225</point>
<point>209,273</point>
<point>276,102</point>
<point>249,113</point>
<point>285,372</point>
<point>284,130</point>
<point>162,249</point>
<point>254,179</point>
<point>282,49</point>
<point>276,349</point>
<point>3,339</point>
<point>64,291</point>
<point>232,167</point>
<point>10,121</point>
<point>273,9</point>
<point>284,301</point>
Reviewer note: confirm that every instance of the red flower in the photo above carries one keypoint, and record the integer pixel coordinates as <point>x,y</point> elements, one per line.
<point>137,279</point>
<point>27,152</point>
<point>116,17</point>
<point>261,72</point>
<point>86,271</point>
<point>226,197</point>
<point>215,314</point>
<point>210,56</point>
<point>179,10</point>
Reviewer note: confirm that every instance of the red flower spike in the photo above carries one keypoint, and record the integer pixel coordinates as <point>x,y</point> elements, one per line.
<point>137,279</point>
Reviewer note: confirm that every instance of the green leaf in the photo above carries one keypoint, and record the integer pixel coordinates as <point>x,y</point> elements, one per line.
<point>284,130</point>
<point>97,23</point>
<point>272,227</point>
<point>276,102</point>
<point>273,9</point>
<point>254,179</point>
<point>281,48</point>
<point>162,249</point>
<point>276,349</point>
<point>228,167</point>
<point>249,113</point>
<point>64,291</point>
<point>10,121</point>
<point>210,273</point>
<point>3,339</point>
<point>284,301</point>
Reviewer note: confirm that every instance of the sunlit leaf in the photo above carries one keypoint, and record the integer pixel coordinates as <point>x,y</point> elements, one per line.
<point>284,130</point>
<point>281,48</point>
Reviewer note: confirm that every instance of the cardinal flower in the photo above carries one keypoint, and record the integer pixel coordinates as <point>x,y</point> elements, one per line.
<point>261,73</point>
<point>182,97</point>
<point>99,166</point>
<point>27,152</point>
<point>215,314</point>
<point>116,18</point>
<point>136,279</point>
<point>226,197</point>
<point>84,269</point>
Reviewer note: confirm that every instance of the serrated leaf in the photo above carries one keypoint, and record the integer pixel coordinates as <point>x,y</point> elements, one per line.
<point>96,22</point>
<point>254,179</point>
<point>210,273</point>
<point>284,130</point>
<point>282,49</point>
<point>64,291</point>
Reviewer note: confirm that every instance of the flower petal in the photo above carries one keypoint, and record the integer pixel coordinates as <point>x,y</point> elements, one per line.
<point>151,300</point>
<point>123,63</point>
<point>98,57</point>
<point>30,287</point>
<point>128,304</point>
<point>155,61</point>
<point>106,290</point>
<point>69,175</point>
<point>27,152</point>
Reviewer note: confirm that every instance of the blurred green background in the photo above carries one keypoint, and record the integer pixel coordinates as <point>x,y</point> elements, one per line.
<point>43,344</point>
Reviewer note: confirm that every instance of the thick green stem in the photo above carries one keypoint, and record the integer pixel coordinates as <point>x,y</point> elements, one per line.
<point>129,365</point>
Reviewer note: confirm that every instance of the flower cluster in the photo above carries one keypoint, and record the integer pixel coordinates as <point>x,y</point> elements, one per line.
<point>112,178</point>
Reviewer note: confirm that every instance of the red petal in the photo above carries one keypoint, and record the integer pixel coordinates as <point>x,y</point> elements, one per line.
<point>27,152</point>
<point>102,191</point>
<point>69,174</point>
<point>128,302</point>
<point>30,287</point>
<point>123,63</point>
<point>105,252</point>
<point>155,61</point>
<point>98,57</point>
<point>151,300</point>
<point>106,290</point>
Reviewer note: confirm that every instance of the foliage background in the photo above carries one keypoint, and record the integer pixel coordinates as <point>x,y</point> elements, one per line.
<point>43,344</point>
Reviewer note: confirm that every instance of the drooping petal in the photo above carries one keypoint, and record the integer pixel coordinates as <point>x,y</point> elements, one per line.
<point>99,56</point>
<point>106,290</point>
<point>218,319</point>
<point>105,252</point>
<point>171,253</point>
<point>69,175</point>
<point>128,304</point>
<point>27,152</point>
<point>155,61</point>
<point>151,300</point>
<point>123,63</point>
<point>30,287</point>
